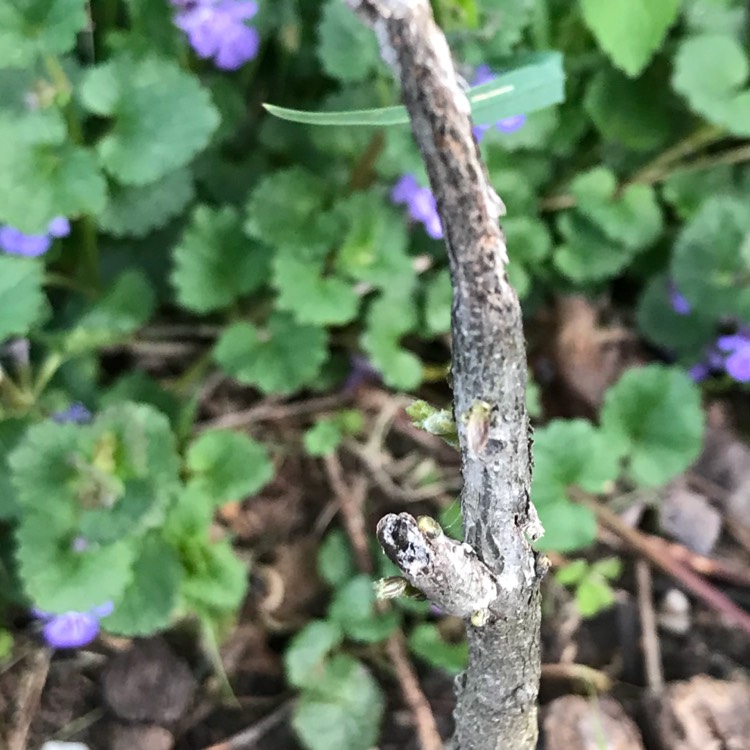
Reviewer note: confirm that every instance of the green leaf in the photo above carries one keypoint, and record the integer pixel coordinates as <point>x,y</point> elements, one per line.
<point>43,174</point>
<point>162,117</point>
<point>634,113</point>
<point>353,608</point>
<point>388,319</point>
<point>567,527</point>
<point>594,595</point>
<point>215,579</point>
<point>227,466</point>
<point>308,293</point>
<point>528,88</point>
<point>658,322</point>
<point>426,642</point>
<point>572,573</point>
<point>451,520</point>
<point>33,28</point>
<point>686,189</point>
<point>653,416</point>
<point>285,207</point>
<point>708,264</point>
<point>711,72</point>
<point>135,211</point>
<point>335,563</point>
<point>21,295</point>
<point>305,656</point>
<point>630,31</point>
<point>125,308</point>
<point>323,438</point>
<point>215,263</point>
<point>347,49</point>
<point>281,358</point>
<point>587,253</point>
<point>11,433</point>
<point>342,711</point>
<point>570,453</point>
<point>630,217</point>
<point>608,567</point>
<point>437,302</point>
<point>149,601</point>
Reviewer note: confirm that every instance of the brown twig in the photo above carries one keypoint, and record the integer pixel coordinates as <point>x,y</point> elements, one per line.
<point>582,673</point>
<point>249,737</point>
<point>700,588</point>
<point>29,695</point>
<point>649,634</point>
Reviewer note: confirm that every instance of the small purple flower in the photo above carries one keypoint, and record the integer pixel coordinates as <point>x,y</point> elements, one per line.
<point>679,304</point>
<point>484,74</point>
<point>420,203</point>
<point>361,371</point>
<point>76,413</point>
<point>72,629</point>
<point>16,242</point>
<point>737,348</point>
<point>216,29</point>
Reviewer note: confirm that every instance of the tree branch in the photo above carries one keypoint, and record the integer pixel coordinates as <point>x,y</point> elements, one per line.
<point>497,694</point>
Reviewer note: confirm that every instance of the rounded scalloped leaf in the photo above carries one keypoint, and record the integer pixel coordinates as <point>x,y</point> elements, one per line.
<point>711,72</point>
<point>161,116</point>
<point>46,27</point>
<point>631,217</point>
<point>527,239</point>
<point>653,417</point>
<point>570,453</point>
<point>304,658</point>
<point>21,295</point>
<point>135,211</point>
<point>150,599</point>
<point>353,608</point>
<point>227,466</point>
<point>687,189</point>
<point>426,642</point>
<point>280,358</point>
<point>438,302</point>
<point>342,711</point>
<point>215,263</point>
<point>711,260</point>
<point>633,113</point>
<point>686,335</point>
<point>630,31</point>
<point>347,49</point>
<point>43,174</point>
<point>567,527</point>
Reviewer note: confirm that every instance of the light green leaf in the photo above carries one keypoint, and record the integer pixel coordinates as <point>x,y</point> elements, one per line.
<point>570,453</point>
<point>149,601</point>
<point>135,211</point>
<point>528,88</point>
<point>438,301</point>
<point>335,563</point>
<point>388,319</point>
<point>215,263</point>
<point>34,28</point>
<point>281,358</point>
<point>594,595</point>
<point>227,466</point>
<point>347,49</point>
<point>608,567</point>
<point>686,189</point>
<point>567,527</point>
<point>21,295</point>
<point>126,307</point>
<point>11,432</point>
<point>653,416</point>
<point>711,72</point>
<point>342,711</point>
<point>630,217</point>
<point>353,608</point>
<point>304,658</point>
<point>43,174</point>
<point>572,573</point>
<point>630,31</point>
<point>708,265</point>
<point>323,438</point>
<point>426,642</point>
<point>162,117</point>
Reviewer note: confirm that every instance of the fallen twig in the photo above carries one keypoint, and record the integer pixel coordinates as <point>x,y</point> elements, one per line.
<point>29,694</point>
<point>248,738</point>
<point>649,634</point>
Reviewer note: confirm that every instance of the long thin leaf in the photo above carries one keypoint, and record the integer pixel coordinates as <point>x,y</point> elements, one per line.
<point>537,84</point>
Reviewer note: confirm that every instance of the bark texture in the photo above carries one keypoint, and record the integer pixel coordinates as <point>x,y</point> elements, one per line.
<point>497,694</point>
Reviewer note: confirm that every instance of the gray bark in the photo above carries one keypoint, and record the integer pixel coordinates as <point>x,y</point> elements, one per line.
<point>496,708</point>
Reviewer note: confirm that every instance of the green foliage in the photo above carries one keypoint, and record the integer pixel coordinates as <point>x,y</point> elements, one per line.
<point>653,417</point>
<point>335,563</point>
<point>426,642</point>
<point>590,582</point>
<point>305,657</point>
<point>353,609</point>
<point>21,295</point>
<point>630,31</point>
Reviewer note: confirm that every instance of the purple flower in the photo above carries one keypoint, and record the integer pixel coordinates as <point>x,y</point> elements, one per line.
<point>484,74</point>
<point>16,242</point>
<point>420,203</point>
<point>76,413</point>
<point>72,629</point>
<point>679,304</point>
<point>361,371</point>
<point>216,29</point>
<point>737,348</point>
